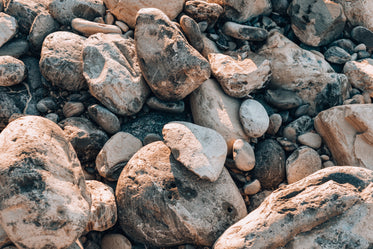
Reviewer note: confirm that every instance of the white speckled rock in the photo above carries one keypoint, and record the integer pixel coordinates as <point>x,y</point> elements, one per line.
<point>243,155</point>
<point>254,118</point>
<point>360,74</point>
<point>12,71</point>
<point>8,28</point>
<point>200,149</point>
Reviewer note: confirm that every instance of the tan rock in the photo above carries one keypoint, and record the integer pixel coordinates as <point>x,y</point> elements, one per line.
<point>360,74</point>
<point>348,132</point>
<point>43,25</point>
<point>12,71</point>
<point>252,188</point>
<point>124,27</point>
<point>115,241</point>
<point>126,10</point>
<point>4,239</point>
<point>202,11</point>
<point>358,12</point>
<point>8,28</point>
<point>243,155</point>
<point>310,139</point>
<point>88,28</point>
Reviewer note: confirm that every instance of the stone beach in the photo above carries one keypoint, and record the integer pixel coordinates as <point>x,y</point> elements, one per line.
<point>186,124</point>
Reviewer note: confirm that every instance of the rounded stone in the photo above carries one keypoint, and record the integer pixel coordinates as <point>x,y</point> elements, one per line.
<point>8,28</point>
<point>88,28</point>
<point>275,122</point>
<point>71,109</point>
<point>104,118</point>
<point>254,118</point>
<point>243,155</point>
<point>115,241</point>
<point>310,139</point>
<point>252,188</point>
<point>12,71</point>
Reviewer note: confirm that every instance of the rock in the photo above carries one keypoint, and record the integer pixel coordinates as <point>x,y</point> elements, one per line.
<point>165,106</point>
<point>346,44</point>
<point>280,6</point>
<point>286,144</point>
<point>301,163</point>
<point>88,28</point>
<point>71,109</point>
<point>120,87</point>
<point>254,118</point>
<point>12,71</point>
<point>337,55</point>
<point>238,77</point>
<point>283,99</point>
<point>363,35</point>
<point>269,163</point>
<point>316,23</point>
<point>104,118</point>
<point>124,27</point>
<point>8,28</point>
<point>60,61</point>
<point>115,241</point>
<point>150,138</point>
<point>360,74</point>
<point>244,32</point>
<point>203,11</point>
<point>43,25</point>
<point>86,139</point>
<point>43,190</point>
<point>15,48</point>
<point>213,109</point>
<point>46,105</point>
<point>358,13</point>
<point>209,47</point>
<point>171,67</point>
<point>192,32</point>
<point>103,209</point>
<point>115,154</point>
<point>298,127</point>
<point>314,208</point>
<point>65,11</point>
<point>252,188</point>
<point>4,239</point>
<point>177,202</point>
<point>275,122</point>
<point>310,139</point>
<point>126,10</point>
<point>346,130</point>
<point>243,155</point>
<point>244,10</point>
<point>201,150</point>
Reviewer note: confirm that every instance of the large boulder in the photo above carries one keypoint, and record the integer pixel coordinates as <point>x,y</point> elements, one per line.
<point>111,68</point>
<point>170,65</point>
<point>161,203</point>
<point>43,197</point>
<point>331,208</point>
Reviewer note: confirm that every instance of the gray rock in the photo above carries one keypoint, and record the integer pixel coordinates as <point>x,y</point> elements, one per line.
<point>43,25</point>
<point>46,105</point>
<point>171,67</point>
<point>177,202</point>
<point>8,28</point>
<point>254,118</point>
<point>12,71</point>
<point>280,6</point>
<point>275,122</point>
<point>15,48</point>
<point>192,32</point>
<point>150,138</point>
<point>283,99</point>
<point>298,127</point>
<point>346,44</point>
<point>86,139</point>
<point>107,120</point>
<point>113,74</point>
<point>60,61</point>
<point>360,75</point>
<point>286,144</point>
<point>243,155</point>
<point>166,106</point>
<point>269,163</point>
<point>363,35</point>
<point>337,55</point>
<point>44,201</point>
<point>202,11</point>
<point>244,32</point>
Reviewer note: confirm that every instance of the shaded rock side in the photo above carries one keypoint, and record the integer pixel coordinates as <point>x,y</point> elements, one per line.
<point>43,196</point>
<point>170,65</point>
<point>311,203</point>
<point>161,203</point>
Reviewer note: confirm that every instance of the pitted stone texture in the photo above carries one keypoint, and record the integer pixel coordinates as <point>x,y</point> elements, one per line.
<point>113,74</point>
<point>360,74</point>
<point>238,77</point>
<point>12,71</point>
<point>161,203</point>
<point>348,132</point>
<point>212,108</point>
<point>254,118</point>
<point>8,28</point>
<point>358,12</point>
<point>170,65</point>
<point>310,209</point>
<point>61,62</point>
<point>126,10</point>
<point>201,150</point>
<point>43,196</point>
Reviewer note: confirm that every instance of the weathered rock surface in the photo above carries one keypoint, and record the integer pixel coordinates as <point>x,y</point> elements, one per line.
<point>313,208</point>
<point>347,131</point>
<point>201,150</point>
<point>244,32</point>
<point>358,12</point>
<point>363,35</point>
<point>254,118</point>
<point>360,74</point>
<point>12,71</point>
<point>88,28</point>
<point>238,77</point>
<point>60,61</point>
<point>43,190</point>
<point>126,10</point>
<point>337,55</point>
<point>170,65</point>
<point>283,99</point>
<point>161,203</point>
<point>165,106</point>
<point>299,126</point>
<point>203,11</point>
<point>43,25</point>
<point>8,28</point>
<point>310,139</point>
<point>214,109</point>
<point>113,73</point>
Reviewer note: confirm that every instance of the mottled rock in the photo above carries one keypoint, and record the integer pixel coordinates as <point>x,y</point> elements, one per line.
<point>203,11</point>
<point>60,61</point>
<point>8,28</point>
<point>213,109</point>
<point>316,23</point>
<point>283,99</point>
<point>312,209</point>
<point>65,11</point>
<point>115,154</point>
<point>86,139</point>
<point>238,77</point>
<point>244,32</point>
<point>347,131</point>
<point>46,105</point>
<point>88,28</point>
<point>209,47</point>
<point>104,118</point>
<point>126,10</point>
<point>103,209</point>
<point>254,118</point>
<point>269,163</point>
<point>43,190</point>
<point>12,71</point>
<point>243,155</point>
<point>337,55</point>
<point>177,202</point>
<point>358,12</point>
<point>170,65</point>
<point>298,127</point>
<point>346,44</point>
<point>360,74</point>
<point>115,241</point>
<point>15,48</point>
<point>310,139</point>
<point>201,150</point>
<point>124,27</point>
<point>192,32</point>
<point>43,25</point>
<point>113,73</point>
<point>165,106</point>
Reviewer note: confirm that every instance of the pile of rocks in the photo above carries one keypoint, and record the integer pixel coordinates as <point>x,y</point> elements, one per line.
<point>186,124</point>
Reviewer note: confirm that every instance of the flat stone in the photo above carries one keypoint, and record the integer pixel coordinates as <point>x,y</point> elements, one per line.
<point>115,241</point>
<point>166,106</point>
<point>8,28</point>
<point>43,25</point>
<point>202,11</point>
<point>170,65</point>
<point>244,32</point>
<point>238,77</point>
<point>360,74</point>
<point>243,155</point>
<point>192,32</point>
<point>12,71</point>
<point>107,120</point>
<point>15,48</point>
<point>298,127</point>
<point>201,150</point>
<point>310,139</point>
<point>254,118</point>
<point>115,154</point>
<point>88,28</point>
<point>283,99</point>
<point>337,55</point>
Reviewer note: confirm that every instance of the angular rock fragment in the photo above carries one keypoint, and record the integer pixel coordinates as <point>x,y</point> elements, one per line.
<point>358,12</point>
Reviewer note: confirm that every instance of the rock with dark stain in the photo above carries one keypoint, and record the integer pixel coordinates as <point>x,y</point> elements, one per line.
<point>161,203</point>
<point>43,198</point>
<point>331,208</point>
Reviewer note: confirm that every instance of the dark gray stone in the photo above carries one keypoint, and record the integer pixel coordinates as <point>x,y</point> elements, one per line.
<point>203,11</point>
<point>15,48</point>
<point>283,99</point>
<point>104,118</point>
<point>337,55</point>
<point>363,35</point>
<point>298,127</point>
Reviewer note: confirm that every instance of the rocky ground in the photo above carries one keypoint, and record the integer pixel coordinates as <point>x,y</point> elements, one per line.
<point>186,124</point>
